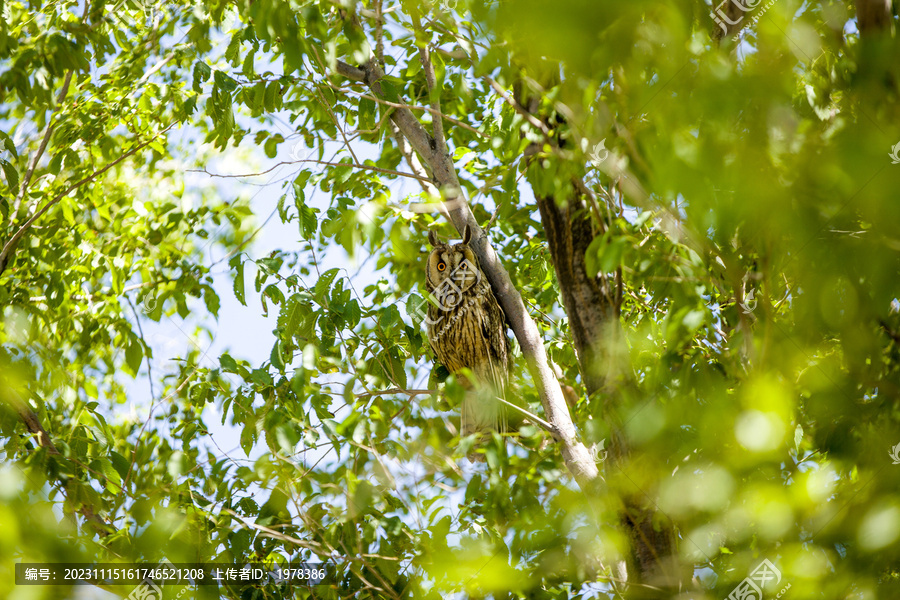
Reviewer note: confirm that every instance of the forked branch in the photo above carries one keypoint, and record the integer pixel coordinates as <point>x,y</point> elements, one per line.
<point>576,456</point>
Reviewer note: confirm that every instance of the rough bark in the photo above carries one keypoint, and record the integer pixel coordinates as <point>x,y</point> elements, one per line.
<point>592,305</point>
<point>873,16</point>
<point>11,397</point>
<point>729,19</point>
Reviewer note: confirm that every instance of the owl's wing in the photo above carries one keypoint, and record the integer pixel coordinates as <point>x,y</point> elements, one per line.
<point>493,330</point>
<point>492,372</point>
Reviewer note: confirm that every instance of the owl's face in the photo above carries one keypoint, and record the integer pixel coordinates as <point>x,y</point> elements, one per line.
<point>452,270</point>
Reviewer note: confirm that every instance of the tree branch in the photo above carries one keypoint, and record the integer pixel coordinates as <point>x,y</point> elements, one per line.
<point>392,391</point>
<point>437,125</point>
<point>874,16</point>
<point>576,456</point>
<point>519,108</point>
<point>10,245</point>
<point>26,181</point>
<point>429,109</point>
<point>592,305</point>
<point>531,417</point>
<point>34,426</point>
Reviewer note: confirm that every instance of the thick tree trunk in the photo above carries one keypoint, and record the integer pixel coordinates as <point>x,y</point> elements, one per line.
<point>592,305</point>
<point>873,16</point>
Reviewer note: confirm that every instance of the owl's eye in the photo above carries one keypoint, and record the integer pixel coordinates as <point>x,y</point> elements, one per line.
<point>463,266</point>
<point>441,266</point>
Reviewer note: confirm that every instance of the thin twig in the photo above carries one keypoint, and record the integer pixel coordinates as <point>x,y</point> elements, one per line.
<point>379,36</point>
<point>517,107</point>
<point>137,320</point>
<point>317,548</point>
<point>311,160</point>
<point>415,165</point>
<point>579,183</point>
<point>494,216</point>
<point>89,297</point>
<point>384,117</point>
<point>26,181</point>
<point>377,15</point>
<point>437,125</point>
<point>156,68</point>
<point>429,109</point>
<point>147,422</point>
<point>410,393</point>
<point>531,417</point>
<point>337,123</point>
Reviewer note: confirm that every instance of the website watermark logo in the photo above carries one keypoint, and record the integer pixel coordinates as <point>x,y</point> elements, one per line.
<point>449,295</point>
<point>751,588</point>
<point>149,590</point>
<point>599,153</point>
<point>148,303</point>
<point>749,303</point>
<point>895,154</point>
<point>598,452</point>
<point>895,454</point>
<point>300,152</point>
<point>145,591</point>
<point>137,13</point>
<point>721,13</point>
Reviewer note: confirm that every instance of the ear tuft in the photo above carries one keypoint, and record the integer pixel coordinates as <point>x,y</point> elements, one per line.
<point>432,239</point>
<point>467,235</point>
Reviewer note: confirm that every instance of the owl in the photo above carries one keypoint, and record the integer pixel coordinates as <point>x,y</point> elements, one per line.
<point>467,329</point>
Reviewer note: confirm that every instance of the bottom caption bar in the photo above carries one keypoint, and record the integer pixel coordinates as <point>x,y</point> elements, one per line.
<point>167,573</point>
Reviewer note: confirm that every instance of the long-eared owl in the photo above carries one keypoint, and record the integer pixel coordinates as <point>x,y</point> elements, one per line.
<point>467,329</point>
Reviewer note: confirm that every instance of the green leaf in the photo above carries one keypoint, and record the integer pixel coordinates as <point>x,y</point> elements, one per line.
<point>308,221</point>
<point>291,315</point>
<point>274,292</point>
<point>176,464</point>
<point>271,145</point>
<point>325,281</point>
<point>211,299</point>
<point>247,67</point>
<point>9,145</point>
<point>228,363</point>
<point>604,254</point>
<point>234,47</point>
<point>238,265</point>
<point>366,114</point>
<point>201,75</point>
<point>248,437</point>
<point>352,313</point>
<point>287,437</point>
<point>12,176</point>
<point>134,355</point>
<point>391,86</point>
<point>276,356</point>
<point>119,463</point>
<point>111,474</point>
